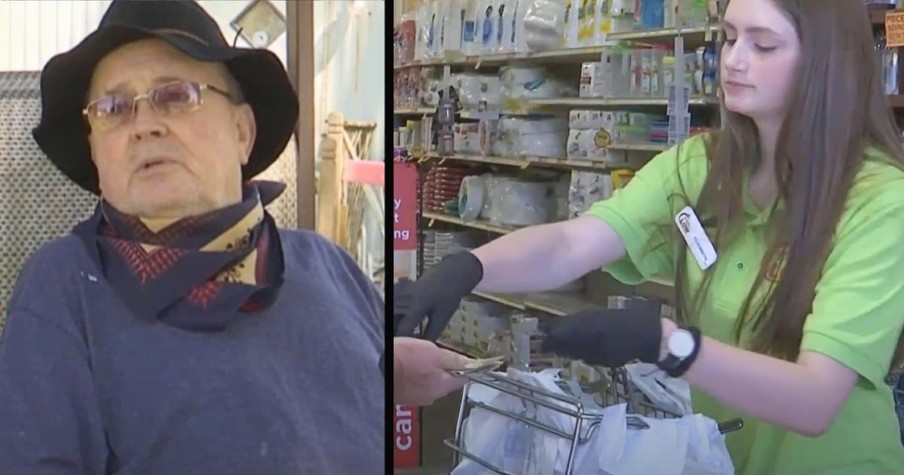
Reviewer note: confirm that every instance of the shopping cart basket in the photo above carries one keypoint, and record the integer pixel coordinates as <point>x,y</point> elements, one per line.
<point>614,388</point>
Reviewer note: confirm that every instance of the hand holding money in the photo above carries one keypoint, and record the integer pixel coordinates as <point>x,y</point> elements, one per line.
<point>424,372</point>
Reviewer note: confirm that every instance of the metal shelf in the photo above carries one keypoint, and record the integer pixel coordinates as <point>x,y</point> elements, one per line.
<point>476,224</point>
<point>619,102</point>
<point>419,111</point>
<point>567,163</point>
<point>693,37</point>
<point>553,303</point>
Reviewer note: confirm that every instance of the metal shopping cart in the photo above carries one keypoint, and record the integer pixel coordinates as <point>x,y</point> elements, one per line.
<point>614,388</point>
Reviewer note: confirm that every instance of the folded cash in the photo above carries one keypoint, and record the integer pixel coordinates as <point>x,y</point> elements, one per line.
<point>481,365</point>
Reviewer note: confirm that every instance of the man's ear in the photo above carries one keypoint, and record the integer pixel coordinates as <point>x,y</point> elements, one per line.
<point>247,130</point>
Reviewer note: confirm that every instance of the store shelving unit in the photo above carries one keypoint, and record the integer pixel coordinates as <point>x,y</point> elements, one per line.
<point>545,162</point>
<point>564,303</point>
<point>693,37</point>
<point>557,303</point>
<point>620,102</point>
<point>421,111</point>
<point>877,15</point>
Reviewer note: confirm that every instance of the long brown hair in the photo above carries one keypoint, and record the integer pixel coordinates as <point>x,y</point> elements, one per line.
<point>837,109</point>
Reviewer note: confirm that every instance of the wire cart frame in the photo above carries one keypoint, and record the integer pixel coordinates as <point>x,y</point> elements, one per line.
<point>614,388</point>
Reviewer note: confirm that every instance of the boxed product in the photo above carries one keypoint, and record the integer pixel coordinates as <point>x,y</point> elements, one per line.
<point>591,80</point>
<point>587,188</point>
<point>593,144</point>
<point>591,119</point>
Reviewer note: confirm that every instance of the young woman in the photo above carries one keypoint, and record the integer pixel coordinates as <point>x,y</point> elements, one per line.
<point>800,299</point>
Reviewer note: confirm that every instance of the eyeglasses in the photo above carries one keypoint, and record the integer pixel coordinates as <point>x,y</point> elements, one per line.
<point>176,97</point>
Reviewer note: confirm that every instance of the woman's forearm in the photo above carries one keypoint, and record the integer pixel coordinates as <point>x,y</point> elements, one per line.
<point>547,256</point>
<point>802,397</point>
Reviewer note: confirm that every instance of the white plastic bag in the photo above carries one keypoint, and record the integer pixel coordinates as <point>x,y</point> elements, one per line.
<point>657,450</point>
<point>707,453</point>
<point>691,445</point>
<point>484,432</point>
<point>671,394</point>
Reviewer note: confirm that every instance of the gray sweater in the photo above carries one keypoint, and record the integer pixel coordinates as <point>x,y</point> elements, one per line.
<point>86,388</point>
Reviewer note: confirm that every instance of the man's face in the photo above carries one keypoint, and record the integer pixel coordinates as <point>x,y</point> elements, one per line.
<point>174,165</point>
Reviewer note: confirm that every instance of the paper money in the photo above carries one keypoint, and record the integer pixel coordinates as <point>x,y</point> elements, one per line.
<point>481,365</point>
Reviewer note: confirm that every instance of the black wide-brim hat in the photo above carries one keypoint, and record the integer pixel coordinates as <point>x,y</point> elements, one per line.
<point>63,131</point>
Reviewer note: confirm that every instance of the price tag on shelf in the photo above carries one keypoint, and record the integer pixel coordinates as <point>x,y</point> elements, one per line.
<point>894,28</point>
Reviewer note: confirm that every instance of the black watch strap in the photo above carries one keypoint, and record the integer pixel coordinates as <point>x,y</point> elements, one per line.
<point>675,367</point>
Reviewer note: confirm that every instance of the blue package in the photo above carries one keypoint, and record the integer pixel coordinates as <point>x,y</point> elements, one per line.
<point>652,14</point>
<point>487,27</point>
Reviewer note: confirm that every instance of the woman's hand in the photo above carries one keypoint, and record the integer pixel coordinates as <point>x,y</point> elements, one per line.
<point>436,295</point>
<point>609,338</point>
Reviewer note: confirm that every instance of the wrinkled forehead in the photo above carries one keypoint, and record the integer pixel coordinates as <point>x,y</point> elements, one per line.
<point>137,66</point>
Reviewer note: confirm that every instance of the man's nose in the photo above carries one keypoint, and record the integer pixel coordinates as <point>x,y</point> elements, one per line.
<point>146,122</point>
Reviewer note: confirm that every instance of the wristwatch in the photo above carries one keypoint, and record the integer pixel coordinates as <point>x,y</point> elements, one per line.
<point>682,344</point>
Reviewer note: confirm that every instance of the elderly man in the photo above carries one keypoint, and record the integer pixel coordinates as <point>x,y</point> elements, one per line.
<point>177,330</point>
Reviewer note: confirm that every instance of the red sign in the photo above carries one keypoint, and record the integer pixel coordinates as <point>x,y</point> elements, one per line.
<point>406,440</point>
<point>404,204</point>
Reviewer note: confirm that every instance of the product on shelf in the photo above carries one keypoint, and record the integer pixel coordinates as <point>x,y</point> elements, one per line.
<point>888,61</point>
<point>522,203</point>
<point>592,133</point>
<point>408,88</point>
<point>522,83</point>
<point>471,197</point>
<point>404,39</point>
<point>441,185</point>
<point>593,145</point>
<point>454,28</point>
<point>439,244</point>
<point>543,25</point>
<point>560,192</point>
<point>526,340</point>
<point>479,323</point>
<point>467,138</point>
<point>415,135</point>
<point>477,91</point>
<point>587,188</point>
<point>531,137</point>
<point>693,13</point>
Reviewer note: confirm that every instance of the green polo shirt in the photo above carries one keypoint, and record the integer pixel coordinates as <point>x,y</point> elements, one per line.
<point>857,317</point>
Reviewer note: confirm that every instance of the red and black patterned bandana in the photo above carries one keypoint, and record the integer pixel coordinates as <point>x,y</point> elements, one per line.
<point>198,273</point>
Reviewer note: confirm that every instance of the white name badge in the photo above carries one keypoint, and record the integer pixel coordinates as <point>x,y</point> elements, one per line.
<point>695,236</point>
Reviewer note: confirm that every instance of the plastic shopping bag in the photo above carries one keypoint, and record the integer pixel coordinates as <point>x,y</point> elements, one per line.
<point>691,445</point>
<point>670,394</point>
<point>483,432</point>
<point>707,453</point>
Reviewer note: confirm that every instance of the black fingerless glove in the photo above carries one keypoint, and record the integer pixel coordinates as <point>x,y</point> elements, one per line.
<point>436,295</point>
<point>609,338</point>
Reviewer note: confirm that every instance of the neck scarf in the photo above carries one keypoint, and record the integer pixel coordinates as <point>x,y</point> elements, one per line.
<point>198,273</point>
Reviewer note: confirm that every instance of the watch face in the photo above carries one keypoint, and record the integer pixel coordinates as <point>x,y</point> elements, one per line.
<point>681,343</point>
